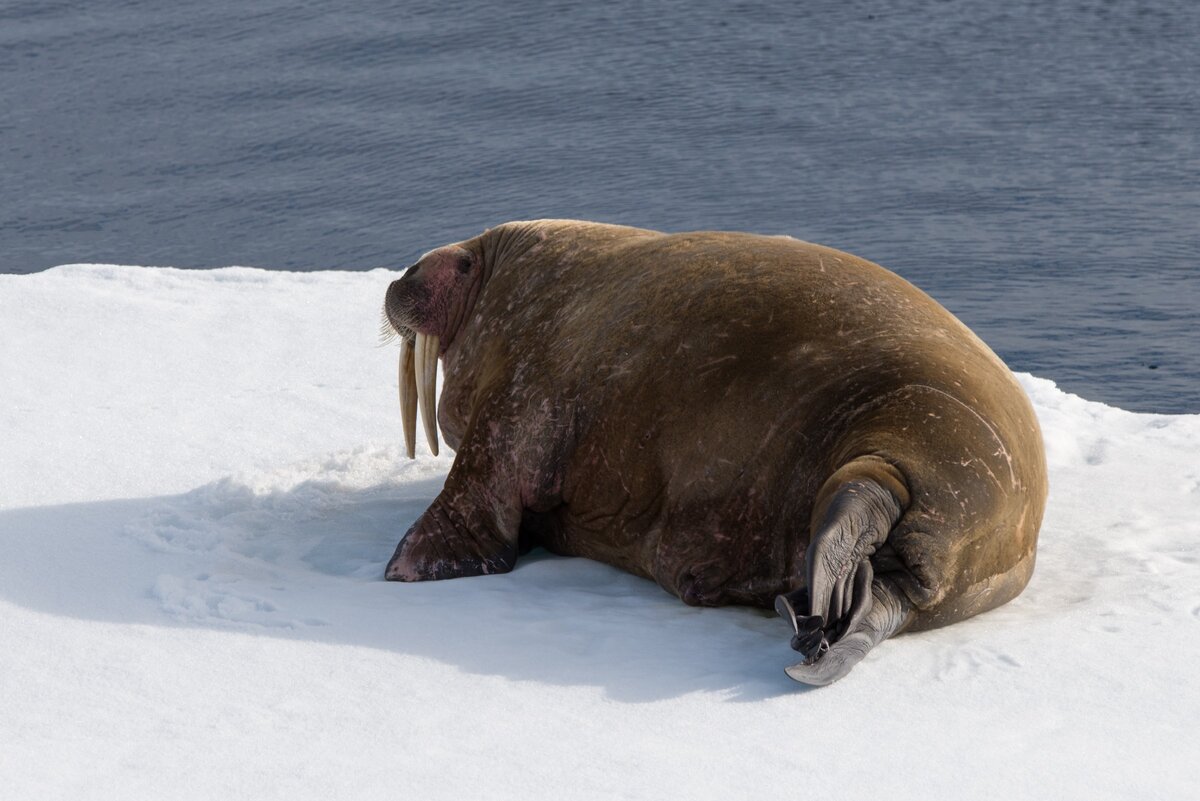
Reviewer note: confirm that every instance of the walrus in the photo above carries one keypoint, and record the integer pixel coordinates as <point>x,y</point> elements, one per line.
<point>743,419</point>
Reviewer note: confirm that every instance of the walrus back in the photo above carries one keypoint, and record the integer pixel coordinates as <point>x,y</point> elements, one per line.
<point>880,368</point>
<point>787,357</point>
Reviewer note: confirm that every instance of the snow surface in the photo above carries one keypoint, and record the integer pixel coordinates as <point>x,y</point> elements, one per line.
<point>200,482</point>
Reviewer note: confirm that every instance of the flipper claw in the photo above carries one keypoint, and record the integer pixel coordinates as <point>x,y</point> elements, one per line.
<point>808,636</point>
<point>784,608</point>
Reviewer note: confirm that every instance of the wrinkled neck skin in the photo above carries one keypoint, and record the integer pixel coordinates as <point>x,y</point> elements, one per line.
<point>505,243</point>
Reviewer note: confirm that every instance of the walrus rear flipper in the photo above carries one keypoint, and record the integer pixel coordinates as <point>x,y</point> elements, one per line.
<point>848,611</point>
<point>889,611</point>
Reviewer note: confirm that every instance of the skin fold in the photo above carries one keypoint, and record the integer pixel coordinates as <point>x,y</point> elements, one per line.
<point>742,419</point>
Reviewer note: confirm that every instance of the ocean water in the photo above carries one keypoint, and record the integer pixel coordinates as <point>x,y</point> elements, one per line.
<point>1034,166</point>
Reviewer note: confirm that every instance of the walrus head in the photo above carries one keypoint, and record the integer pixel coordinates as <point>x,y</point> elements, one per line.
<point>435,301</point>
<point>426,307</point>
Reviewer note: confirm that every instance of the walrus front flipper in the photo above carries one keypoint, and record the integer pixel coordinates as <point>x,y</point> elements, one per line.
<point>451,540</point>
<point>889,612</point>
<point>470,529</point>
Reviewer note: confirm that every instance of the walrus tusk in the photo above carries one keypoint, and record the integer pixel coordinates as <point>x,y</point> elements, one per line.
<point>426,374</point>
<point>408,397</point>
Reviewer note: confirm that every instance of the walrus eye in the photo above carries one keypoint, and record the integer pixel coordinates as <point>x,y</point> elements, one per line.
<point>464,264</point>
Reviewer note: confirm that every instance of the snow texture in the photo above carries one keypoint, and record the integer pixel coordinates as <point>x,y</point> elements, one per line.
<point>201,480</point>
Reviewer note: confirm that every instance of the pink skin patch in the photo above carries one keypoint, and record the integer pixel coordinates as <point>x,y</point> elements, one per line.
<point>448,276</point>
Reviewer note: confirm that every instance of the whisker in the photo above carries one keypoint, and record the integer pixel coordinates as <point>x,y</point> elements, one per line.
<point>387,334</point>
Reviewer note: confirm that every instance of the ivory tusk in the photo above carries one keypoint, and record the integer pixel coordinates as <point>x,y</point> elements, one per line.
<point>408,397</point>
<point>426,357</point>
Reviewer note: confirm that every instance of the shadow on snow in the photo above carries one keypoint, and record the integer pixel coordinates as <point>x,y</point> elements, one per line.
<point>307,563</point>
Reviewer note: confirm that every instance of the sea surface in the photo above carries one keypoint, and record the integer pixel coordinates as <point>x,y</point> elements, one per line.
<point>1033,165</point>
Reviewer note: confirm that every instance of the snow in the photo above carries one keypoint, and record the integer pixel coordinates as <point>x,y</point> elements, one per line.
<point>201,479</point>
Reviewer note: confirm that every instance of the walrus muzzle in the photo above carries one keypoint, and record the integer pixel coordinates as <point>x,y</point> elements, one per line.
<point>418,360</point>
<point>418,387</point>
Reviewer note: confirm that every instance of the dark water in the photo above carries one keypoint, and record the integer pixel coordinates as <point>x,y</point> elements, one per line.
<point>1033,165</point>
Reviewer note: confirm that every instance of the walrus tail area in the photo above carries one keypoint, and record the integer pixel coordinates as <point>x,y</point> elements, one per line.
<point>844,609</point>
